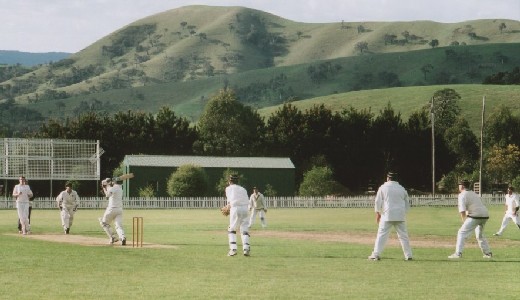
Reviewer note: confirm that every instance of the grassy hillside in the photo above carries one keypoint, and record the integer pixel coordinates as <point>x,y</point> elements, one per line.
<point>263,87</point>
<point>407,100</point>
<point>180,58</point>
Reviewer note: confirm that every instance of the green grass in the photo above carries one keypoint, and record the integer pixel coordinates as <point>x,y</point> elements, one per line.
<point>279,268</point>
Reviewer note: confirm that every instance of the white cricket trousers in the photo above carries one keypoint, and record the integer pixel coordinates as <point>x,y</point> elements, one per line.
<point>465,230</point>
<point>261,212</point>
<point>114,214</point>
<point>23,214</point>
<point>507,217</point>
<point>238,218</point>
<point>382,236</point>
<point>67,216</point>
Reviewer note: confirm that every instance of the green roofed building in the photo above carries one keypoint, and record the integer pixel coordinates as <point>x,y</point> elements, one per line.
<point>154,170</point>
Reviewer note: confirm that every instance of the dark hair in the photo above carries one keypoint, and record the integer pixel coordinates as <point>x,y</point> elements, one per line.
<point>233,178</point>
<point>465,183</point>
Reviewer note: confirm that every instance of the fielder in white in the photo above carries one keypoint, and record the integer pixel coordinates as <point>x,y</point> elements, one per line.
<point>113,212</point>
<point>474,216</point>
<point>22,193</point>
<point>257,205</point>
<point>68,202</point>
<point>512,205</point>
<point>238,217</point>
<point>391,206</point>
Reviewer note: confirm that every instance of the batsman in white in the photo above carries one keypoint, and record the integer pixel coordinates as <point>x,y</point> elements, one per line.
<point>113,212</point>
<point>22,193</point>
<point>68,202</point>
<point>391,205</point>
<point>238,200</point>
<point>512,205</point>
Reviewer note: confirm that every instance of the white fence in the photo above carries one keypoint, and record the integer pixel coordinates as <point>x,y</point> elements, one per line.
<point>272,202</point>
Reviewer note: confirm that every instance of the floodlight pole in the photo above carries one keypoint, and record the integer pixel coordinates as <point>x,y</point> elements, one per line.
<point>433,150</point>
<point>481,145</point>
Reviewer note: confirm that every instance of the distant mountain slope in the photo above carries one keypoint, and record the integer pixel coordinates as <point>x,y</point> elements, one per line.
<point>29,59</point>
<point>181,57</point>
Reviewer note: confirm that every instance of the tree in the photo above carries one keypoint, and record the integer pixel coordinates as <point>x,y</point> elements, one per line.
<point>416,151</point>
<point>445,108</point>
<point>425,69</point>
<point>501,27</point>
<point>317,182</point>
<point>503,163</point>
<point>389,39</point>
<point>387,134</point>
<point>350,150</point>
<point>172,134</point>
<point>227,127</point>
<point>188,181</point>
<point>406,34</point>
<point>502,128</point>
<point>284,133</point>
<point>434,43</point>
<point>361,46</point>
<point>464,144</point>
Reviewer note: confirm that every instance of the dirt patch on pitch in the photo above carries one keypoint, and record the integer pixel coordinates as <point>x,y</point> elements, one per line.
<point>87,240</point>
<point>368,239</point>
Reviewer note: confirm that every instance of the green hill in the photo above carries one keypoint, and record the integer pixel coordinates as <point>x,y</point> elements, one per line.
<point>407,100</point>
<point>180,58</point>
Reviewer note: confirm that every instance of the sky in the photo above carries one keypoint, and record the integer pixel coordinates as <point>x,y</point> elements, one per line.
<point>72,25</point>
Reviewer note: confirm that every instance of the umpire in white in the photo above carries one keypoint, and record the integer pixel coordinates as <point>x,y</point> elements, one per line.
<point>391,206</point>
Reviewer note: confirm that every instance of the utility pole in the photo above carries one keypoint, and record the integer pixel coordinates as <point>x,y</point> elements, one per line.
<point>433,148</point>
<point>481,145</point>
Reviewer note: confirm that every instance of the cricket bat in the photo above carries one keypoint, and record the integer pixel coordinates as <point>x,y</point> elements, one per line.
<point>124,177</point>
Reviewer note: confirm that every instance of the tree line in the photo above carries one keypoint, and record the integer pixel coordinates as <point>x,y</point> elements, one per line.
<point>354,148</point>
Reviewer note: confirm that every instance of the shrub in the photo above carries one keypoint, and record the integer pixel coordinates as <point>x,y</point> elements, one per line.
<point>188,181</point>
<point>317,182</point>
<point>147,191</point>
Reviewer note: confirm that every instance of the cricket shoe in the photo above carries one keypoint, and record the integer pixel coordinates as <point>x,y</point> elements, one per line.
<point>374,257</point>
<point>455,255</point>
<point>488,255</point>
<point>232,252</point>
<point>497,234</point>
<point>113,240</point>
<point>123,241</point>
<point>246,252</point>
<point>408,258</point>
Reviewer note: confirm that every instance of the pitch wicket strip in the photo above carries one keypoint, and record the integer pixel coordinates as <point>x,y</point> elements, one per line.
<point>137,232</point>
